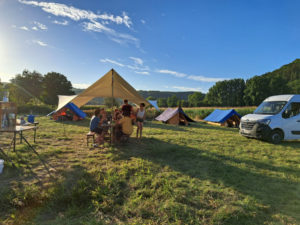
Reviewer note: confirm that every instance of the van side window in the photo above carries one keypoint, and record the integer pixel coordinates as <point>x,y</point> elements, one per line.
<point>292,110</point>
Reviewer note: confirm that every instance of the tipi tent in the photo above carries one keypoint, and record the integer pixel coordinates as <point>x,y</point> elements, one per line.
<point>110,85</point>
<point>229,118</point>
<point>174,116</point>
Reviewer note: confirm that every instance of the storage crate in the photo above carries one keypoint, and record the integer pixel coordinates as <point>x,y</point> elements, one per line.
<point>8,115</point>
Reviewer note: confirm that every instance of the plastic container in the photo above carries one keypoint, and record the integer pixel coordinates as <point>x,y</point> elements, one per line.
<point>30,118</point>
<point>1,165</point>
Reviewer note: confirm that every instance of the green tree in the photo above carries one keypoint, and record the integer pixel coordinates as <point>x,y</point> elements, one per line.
<point>294,86</point>
<point>196,99</point>
<point>226,93</point>
<point>172,101</point>
<point>162,102</point>
<point>26,86</point>
<point>257,89</point>
<point>55,84</point>
<point>150,98</point>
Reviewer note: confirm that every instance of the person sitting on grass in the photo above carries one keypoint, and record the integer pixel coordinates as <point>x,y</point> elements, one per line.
<point>126,126</point>
<point>140,117</point>
<point>94,126</point>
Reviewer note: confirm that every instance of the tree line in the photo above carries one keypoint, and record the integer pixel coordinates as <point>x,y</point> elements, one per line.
<point>238,92</point>
<point>33,86</point>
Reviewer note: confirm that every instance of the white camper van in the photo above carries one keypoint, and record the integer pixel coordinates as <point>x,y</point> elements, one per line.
<point>277,118</point>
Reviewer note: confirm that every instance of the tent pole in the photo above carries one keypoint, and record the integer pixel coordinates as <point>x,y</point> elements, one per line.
<point>112,104</point>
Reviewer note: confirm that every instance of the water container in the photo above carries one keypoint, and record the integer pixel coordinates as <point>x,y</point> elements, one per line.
<point>1,165</point>
<point>30,118</point>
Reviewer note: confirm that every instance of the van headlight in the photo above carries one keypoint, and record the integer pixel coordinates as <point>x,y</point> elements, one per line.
<point>265,121</point>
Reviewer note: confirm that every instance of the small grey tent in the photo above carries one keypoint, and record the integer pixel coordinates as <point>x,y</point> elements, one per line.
<point>174,116</point>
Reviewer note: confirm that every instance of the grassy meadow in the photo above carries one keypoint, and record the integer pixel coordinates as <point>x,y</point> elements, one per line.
<point>200,174</point>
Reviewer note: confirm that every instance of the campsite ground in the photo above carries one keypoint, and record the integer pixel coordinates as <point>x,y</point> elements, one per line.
<point>200,174</point>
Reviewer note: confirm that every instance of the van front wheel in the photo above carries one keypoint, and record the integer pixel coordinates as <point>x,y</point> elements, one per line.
<point>276,136</point>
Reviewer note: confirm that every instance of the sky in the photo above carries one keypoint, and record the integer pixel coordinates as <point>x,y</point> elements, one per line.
<point>167,45</point>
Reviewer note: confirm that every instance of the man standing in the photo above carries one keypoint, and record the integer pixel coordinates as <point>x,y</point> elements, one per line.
<point>126,108</point>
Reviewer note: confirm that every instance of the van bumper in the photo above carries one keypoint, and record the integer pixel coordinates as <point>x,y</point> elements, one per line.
<point>259,131</point>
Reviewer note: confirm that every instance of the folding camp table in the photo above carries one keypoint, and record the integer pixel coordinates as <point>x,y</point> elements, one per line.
<point>19,130</point>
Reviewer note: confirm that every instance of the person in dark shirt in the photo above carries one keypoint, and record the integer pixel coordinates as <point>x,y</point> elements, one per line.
<point>126,108</point>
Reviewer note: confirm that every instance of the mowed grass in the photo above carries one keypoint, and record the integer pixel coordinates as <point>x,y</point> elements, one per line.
<point>200,174</point>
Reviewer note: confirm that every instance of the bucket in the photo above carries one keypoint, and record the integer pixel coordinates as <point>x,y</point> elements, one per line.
<point>1,165</point>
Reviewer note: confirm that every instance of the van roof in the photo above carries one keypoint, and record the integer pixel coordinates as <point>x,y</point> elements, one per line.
<point>282,98</point>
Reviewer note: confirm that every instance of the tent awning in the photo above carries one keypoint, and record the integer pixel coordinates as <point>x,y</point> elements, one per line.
<point>110,85</point>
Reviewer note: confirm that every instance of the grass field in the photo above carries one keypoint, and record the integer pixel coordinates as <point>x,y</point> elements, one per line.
<point>199,174</point>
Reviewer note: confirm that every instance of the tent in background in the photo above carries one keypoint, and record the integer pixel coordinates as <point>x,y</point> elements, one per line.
<point>154,104</point>
<point>228,118</point>
<point>174,116</point>
<point>68,112</point>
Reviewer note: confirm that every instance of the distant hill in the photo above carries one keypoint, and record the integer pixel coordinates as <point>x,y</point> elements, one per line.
<point>285,80</point>
<point>288,75</point>
<point>165,94</point>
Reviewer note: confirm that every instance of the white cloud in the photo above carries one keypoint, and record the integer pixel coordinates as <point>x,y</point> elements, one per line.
<point>34,28</point>
<point>81,86</point>
<point>136,67</point>
<point>95,22</point>
<point>174,73</point>
<point>113,35</point>
<point>181,88</point>
<point>40,25</point>
<point>205,79</point>
<point>142,72</point>
<point>76,14</point>
<point>136,60</point>
<point>191,77</point>
<point>140,69</point>
<point>63,23</point>
<point>43,44</point>
<point>112,62</point>
<point>24,28</point>
<point>143,21</point>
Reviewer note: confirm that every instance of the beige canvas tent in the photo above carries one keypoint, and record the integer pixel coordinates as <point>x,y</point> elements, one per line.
<point>110,85</point>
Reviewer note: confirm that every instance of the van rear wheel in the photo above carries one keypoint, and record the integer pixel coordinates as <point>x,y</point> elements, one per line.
<point>276,136</point>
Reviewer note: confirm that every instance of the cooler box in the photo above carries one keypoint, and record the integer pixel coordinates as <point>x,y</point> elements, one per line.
<point>30,119</point>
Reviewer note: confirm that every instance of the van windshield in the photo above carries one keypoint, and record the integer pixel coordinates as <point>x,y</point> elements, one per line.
<point>270,108</point>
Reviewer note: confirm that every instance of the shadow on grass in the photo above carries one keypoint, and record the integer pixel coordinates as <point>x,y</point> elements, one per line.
<point>69,201</point>
<point>277,194</point>
<point>150,124</point>
<point>218,128</point>
<point>82,123</point>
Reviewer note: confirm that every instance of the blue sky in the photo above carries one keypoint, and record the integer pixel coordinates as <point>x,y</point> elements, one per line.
<point>155,45</point>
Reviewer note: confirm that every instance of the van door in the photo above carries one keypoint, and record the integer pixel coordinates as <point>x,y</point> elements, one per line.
<point>291,121</point>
